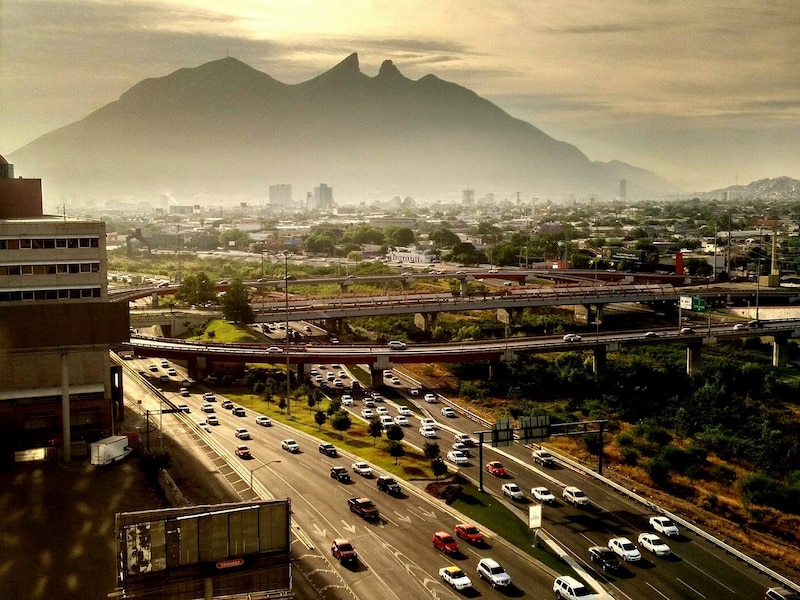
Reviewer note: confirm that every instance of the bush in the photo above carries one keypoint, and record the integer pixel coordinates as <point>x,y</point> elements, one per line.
<point>625,440</point>
<point>630,456</point>
<point>658,469</point>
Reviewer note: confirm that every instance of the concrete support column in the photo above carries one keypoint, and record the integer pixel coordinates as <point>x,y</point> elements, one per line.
<point>779,351</point>
<point>581,313</point>
<point>464,288</point>
<point>599,359</point>
<point>425,321</point>
<point>66,425</point>
<point>510,316</point>
<point>154,300</point>
<point>376,376</point>
<point>333,325</point>
<point>304,370</point>
<point>692,358</point>
<point>598,313</point>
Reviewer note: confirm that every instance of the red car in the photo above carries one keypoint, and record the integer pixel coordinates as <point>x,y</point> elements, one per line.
<point>496,468</point>
<point>469,532</point>
<point>343,550</point>
<point>243,452</point>
<point>445,542</point>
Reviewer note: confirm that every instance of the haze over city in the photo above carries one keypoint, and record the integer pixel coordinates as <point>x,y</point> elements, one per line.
<point>705,95</point>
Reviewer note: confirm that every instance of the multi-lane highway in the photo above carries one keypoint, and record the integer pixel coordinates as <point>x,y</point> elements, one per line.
<point>397,557</point>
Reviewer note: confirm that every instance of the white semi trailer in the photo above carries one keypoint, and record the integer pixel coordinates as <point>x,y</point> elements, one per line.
<point>110,450</point>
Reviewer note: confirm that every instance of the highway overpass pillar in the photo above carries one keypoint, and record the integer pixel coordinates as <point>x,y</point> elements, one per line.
<point>464,288</point>
<point>333,325</point>
<point>425,321</point>
<point>779,350</point>
<point>154,300</point>
<point>510,316</point>
<point>599,359</point>
<point>597,316</point>
<point>692,358</point>
<point>582,312</point>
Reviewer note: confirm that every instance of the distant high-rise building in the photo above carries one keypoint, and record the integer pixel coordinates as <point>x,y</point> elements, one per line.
<point>468,197</point>
<point>323,197</point>
<point>623,190</point>
<point>280,195</point>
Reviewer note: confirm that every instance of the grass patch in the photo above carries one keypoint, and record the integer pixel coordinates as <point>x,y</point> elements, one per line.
<point>490,512</point>
<point>218,330</point>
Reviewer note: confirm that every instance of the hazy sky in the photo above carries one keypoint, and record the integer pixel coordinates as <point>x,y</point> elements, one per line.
<point>704,92</point>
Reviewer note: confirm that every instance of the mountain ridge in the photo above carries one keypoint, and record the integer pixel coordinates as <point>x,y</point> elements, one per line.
<point>225,128</point>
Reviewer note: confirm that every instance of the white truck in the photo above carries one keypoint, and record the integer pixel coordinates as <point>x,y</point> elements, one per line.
<point>109,450</point>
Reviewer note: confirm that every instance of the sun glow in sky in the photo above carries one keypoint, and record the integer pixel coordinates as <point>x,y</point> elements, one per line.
<point>703,92</point>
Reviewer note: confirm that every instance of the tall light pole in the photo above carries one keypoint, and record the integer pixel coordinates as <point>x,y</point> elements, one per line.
<point>261,467</point>
<point>286,338</point>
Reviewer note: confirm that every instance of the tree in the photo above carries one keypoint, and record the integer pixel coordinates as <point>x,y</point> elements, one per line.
<point>341,422</point>
<point>269,391</point>
<point>319,418</point>
<point>444,238</point>
<point>282,404</point>
<point>395,433</point>
<point>234,238</point>
<point>396,450</point>
<point>439,467</point>
<point>431,450</point>
<point>375,429</point>
<point>196,288</point>
<point>236,303</point>
<point>399,236</point>
<point>334,407</point>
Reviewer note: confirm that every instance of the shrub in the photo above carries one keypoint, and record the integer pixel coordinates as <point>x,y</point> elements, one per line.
<point>630,456</point>
<point>658,469</point>
<point>625,440</point>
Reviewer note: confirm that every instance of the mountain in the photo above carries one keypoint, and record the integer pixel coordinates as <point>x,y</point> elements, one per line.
<point>226,129</point>
<point>778,188</point>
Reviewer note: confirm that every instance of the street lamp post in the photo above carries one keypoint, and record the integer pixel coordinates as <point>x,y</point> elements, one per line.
<point>286,338</point>
<point>261,467</point>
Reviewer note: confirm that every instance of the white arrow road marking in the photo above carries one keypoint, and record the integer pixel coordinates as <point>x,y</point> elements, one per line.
<point>404,519</point>
<point>320,531</point>
<point>347,527</point>
<point>428,513</point>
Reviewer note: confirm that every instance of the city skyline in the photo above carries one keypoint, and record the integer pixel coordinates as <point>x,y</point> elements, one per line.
<point>702,94</point>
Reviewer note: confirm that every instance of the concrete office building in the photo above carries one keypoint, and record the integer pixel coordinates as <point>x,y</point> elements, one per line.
<point>323,197</point>
<point>280,195</point>
<point>56,325</point>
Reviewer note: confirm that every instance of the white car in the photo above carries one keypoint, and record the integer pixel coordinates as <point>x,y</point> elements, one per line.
<point>448,412</point>
<point>653,543</point>
<point>664,525</point>
<point>395,381</point>
<point>362,469</point>
<point>457,457</point>
<point>290,446</point>
<point>625,549</point>
<point>739,327</point>
<point>572,337</point>
<point>382,410</point>
<point>543,495</point>
<point>209,397</point>
<point>263,421</point>
<point>427,422</point>
<point>513,491</point>
<point>405,411</point>
<point>207,408</point>
<point>462,448</point>
<point>569,588</point>
<point>427,432</point>
<point>490,570</point>
<point>242,433</point>
<point>367,413</point>
<point>401,420</point>
<point>347,400</point>
<point>465,439</point>
<point>414,391</point>
<point>204,426</point>
<point>456,577</point>
<point>429,398</point>
<point>386,421</point>
<point>212,420</point>
<point>574,496</point>
<point>369,402</point>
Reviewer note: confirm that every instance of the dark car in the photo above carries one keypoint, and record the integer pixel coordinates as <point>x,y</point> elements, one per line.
<point>239,412</point>
<point>604,557</point>
<point>340,474</point>
<point>388,484</point>
<point>328,450</point>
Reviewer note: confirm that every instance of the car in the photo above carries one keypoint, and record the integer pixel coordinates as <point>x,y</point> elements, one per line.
<point>362,469</point>
<point>470,533</point>
<point>465,439</point>
<point>153,368</point>
<point>572,337</point>
<point>457,457</point>
<point>290,446</point>
<point>401,420</point>
<point>164,364</point>
<point>184,392</point>
<point>376,397</point>
<point>382,410</point>
<point>209,397</point>
<point>405,411</point>
<point>428,422</point>
<point>496,468</point>
<point>340,474</point>
<point>664,525</point>
<point>739,327</point>
<point>543,495</point>
<point>625,549</point>
<point>274,350</point>
<point>242,433</point>
<point>318,378</point>
<point>397,345</point>
<point>238,411</point>
<point>330,376</point>
<point>343,551</point>
<point>243,451</point>
<point>338,383</point>
<point>651,334</point>
<point>328,450</point>
<point>368,402</point>
<point>366,413</point>
<point>653,543</point>
<point>491,570</point>
<point>164,378</point>
<point>429,398</point>
<point>513,491</point>
<point>569,588</point>
<point>445,542</point>
<point>543,457</point>
<point>686,331</point>
<point>184,408</point>
<point>212,420</point>
<point>427,432</point>
<point>414,391</point>
<point>204,426</point>
<point>226,404</point>
<point>395,381</point>
<point>263,421</point>
<point>172,372</point>
<point>606,558</point>
<point>461,448</point>
<point>207,408</point>
<point>386,421</point>
<point>388,484</point>
<point>781,593</point>
<point>448,412</point>
<point>307,328</point>
<point>755,324</point>
<point>455,577</point>
<point>574,496</point>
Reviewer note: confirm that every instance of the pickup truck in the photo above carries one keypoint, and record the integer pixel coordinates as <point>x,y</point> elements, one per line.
<point>388,484</point>
<point>364,507</point>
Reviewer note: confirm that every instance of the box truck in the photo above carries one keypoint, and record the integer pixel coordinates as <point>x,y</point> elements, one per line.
<point>110,450</point>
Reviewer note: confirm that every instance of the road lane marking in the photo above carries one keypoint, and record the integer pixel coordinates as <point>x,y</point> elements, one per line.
<point>647,583</point>
<point>690,587</point>
<point>717,581</point>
